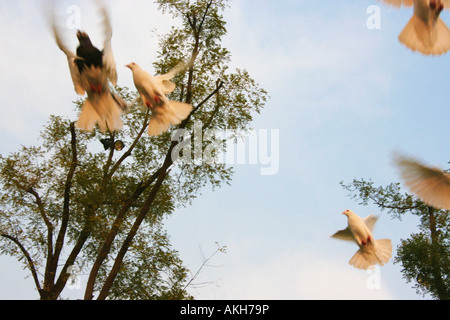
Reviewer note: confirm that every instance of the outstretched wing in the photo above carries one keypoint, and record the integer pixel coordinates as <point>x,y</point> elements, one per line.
<point>432,185</point>
<point>163,81</point>
<point>74,72</point>
<point>109,63</point>
<point>370,221</point>
<point>344,234</point>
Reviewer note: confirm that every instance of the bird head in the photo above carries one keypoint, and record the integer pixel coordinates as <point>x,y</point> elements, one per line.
<point>83,37</point>
<point>131,65</point>
<point>347,212</point>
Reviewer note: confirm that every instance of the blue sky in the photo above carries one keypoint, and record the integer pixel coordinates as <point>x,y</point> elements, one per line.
<point>343,98</point>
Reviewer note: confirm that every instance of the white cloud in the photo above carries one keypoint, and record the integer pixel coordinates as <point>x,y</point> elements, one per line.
<point>304,273</point>
<point>315,65</point>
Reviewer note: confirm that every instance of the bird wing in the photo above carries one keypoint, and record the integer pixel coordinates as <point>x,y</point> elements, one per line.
<point>166,86</point>
<point>109,62</point>
<point>163,81</point>
<point>74,73</point>
<point>432,185</point>
<point>370,221</point>
<point>399,3</point>
<point>344,234</point>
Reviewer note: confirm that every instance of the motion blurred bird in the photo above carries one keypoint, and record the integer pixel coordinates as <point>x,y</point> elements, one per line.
<point>153,91</point>
<point>370,251</point>
<point>425,32</point>
<point>91,70</point>
<point>431,185</point>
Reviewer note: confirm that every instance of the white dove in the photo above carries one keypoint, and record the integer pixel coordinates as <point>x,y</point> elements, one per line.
<point>432,185</point>
<point>90,70</point>
<point>370,251</point>
<point>425,32</point>
<point>153,91</point>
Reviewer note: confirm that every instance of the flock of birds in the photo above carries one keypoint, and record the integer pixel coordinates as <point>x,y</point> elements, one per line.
<point>426,33</point>
<point>92,70</point>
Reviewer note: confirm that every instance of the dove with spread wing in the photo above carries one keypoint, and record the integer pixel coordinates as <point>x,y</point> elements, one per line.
<point>370,251</point>
<point>425,32</point>
<point>91,71</point>
<point>153,91</point>
<point>431,185</point>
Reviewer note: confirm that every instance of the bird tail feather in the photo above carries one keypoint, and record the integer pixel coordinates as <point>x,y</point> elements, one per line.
<point>426,39</point>
<point>158,124</point>
<point>174,112</point>
<point>179,111</point>
<point>442,44</point>
<point>102,109</point>
<point>371,254</point>
<point>88,117</point>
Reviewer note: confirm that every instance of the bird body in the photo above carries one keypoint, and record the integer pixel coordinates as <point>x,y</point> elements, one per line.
<point>431,185</point>
<point>153,91</point>
<point>91,70</point>
<point>370,251</point>
<point>425,31</point>
<point>87,54</point>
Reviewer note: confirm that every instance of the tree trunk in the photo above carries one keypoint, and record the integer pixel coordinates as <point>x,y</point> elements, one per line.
<point>441,289</point>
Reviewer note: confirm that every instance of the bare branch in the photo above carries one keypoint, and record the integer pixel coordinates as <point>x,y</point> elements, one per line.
<point>30,263</point>
<point>204,264</point>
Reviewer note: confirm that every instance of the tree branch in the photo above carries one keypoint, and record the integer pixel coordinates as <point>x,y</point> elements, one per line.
<point>161,174</point>
<point>131,234</point>
<point>435,258</point>
<point>107,244</point>
<point>205,261</point>
<point>66,208</point>
<point>106,176</point>
<point>208,6</point>
<point>28,257</point>
<point>383,205</point>
<point>219,86</point>
<point>133,145</point>
<point>39,203</point>
<point>63,276</point>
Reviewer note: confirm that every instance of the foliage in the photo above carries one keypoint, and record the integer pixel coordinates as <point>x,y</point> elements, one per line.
<point>71,202</point>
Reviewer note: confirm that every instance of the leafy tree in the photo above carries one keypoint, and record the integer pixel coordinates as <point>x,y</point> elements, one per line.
<point>70,202</point>
<point>425,256</point>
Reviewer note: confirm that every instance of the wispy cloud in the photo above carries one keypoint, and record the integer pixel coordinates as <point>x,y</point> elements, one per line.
<point>293,275</point>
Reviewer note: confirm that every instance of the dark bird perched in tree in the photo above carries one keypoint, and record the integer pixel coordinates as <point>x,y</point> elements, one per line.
<point>91,71</point>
